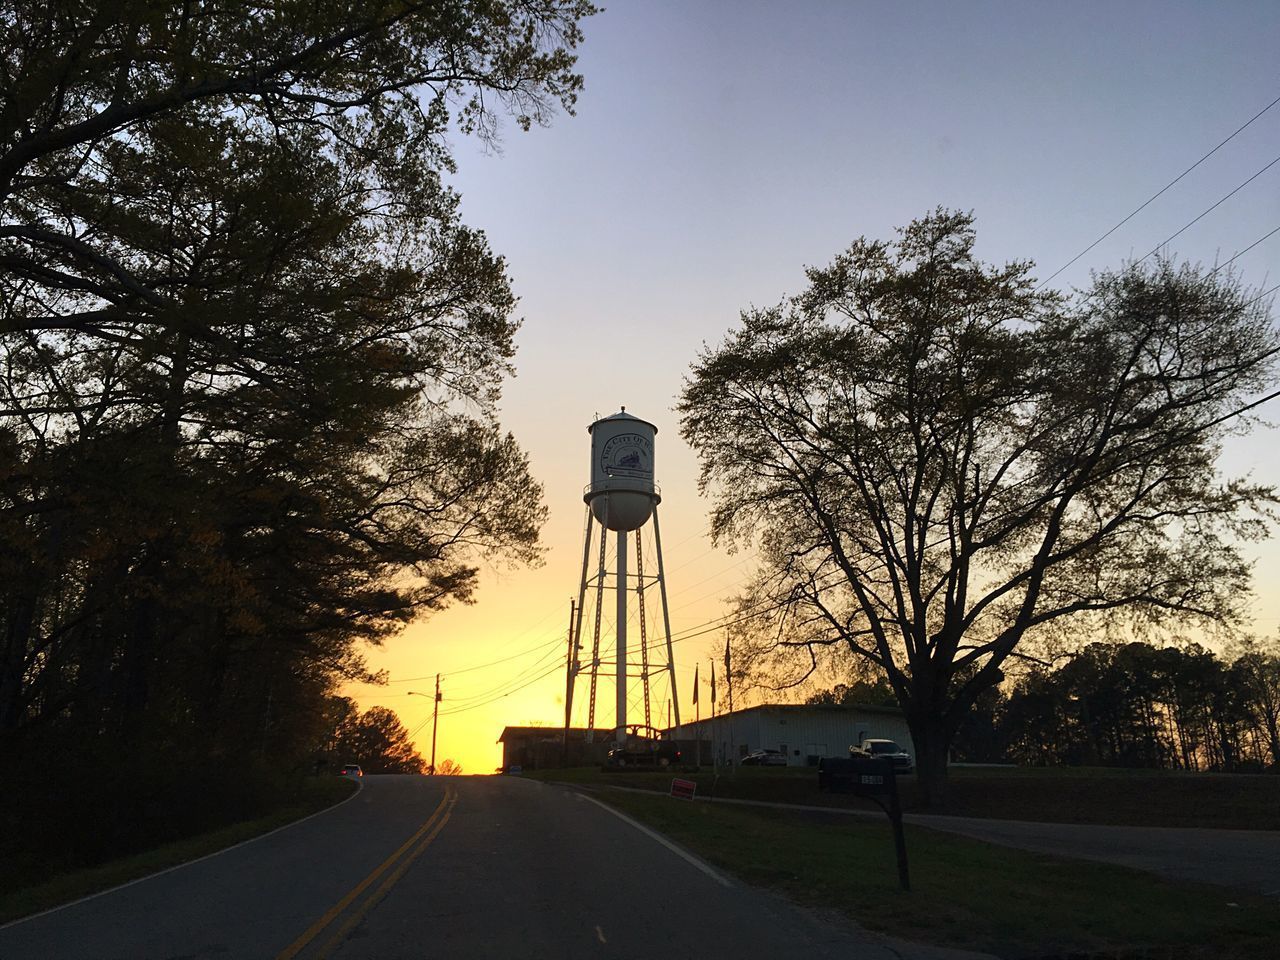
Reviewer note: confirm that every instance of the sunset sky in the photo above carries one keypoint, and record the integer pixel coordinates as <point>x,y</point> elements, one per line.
<point>719,148</point>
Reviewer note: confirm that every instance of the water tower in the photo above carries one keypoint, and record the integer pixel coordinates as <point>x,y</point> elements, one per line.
<point>621,498</point>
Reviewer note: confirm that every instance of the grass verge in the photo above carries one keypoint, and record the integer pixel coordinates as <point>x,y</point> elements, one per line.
<point>1067,795</point>
<point>315,795</point>
<point>966,893</point>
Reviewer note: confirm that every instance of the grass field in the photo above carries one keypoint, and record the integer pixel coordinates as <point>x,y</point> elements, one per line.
<point>18,899</point>
<point>966,893</point>
<point>1069,795</point>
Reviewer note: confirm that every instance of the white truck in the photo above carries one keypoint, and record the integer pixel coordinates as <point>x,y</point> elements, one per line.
<point>876,748</point>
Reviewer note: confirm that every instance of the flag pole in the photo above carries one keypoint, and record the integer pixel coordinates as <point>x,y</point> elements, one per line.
<point>715,727</point>
<point>728,679</point>
<point>697,715</point>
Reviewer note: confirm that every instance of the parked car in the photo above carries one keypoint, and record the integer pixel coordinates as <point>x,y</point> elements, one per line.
<point>644,755</point>
<point>351,770</point>
<point>902,761</point>
<point>764,758</point>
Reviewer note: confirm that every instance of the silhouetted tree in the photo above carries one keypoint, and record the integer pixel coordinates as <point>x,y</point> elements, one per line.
<point>875,693</point>
<point>376,740</point>
<point>377,85</point>
<point>939,461</point>
<point>1259,673</point>
<point>982,734</point>
<point>251,356</point>
<point>1138,705</point>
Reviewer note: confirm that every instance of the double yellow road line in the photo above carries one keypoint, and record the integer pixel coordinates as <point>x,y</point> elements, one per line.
<point>398,864</point>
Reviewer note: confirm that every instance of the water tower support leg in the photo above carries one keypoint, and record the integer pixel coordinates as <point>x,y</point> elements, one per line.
<point>621,734</point>
<point>666,616</point>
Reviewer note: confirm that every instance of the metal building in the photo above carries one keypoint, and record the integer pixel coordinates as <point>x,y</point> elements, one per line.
<point>800,731</point>
<point>541,748</point>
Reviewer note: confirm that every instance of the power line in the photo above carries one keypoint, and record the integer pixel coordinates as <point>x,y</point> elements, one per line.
<point>557,641</point>
<point>414,732</point>
<point>502,685</point>
<point>1244,251</point>
<point>1155,195</point>
<point>484,703</point>
<point>515,656</point>
<point>715,576</point>
<point>1261,296</point>
<point>1205,213</point>
<point>480,666</point>
<point>546,646</point>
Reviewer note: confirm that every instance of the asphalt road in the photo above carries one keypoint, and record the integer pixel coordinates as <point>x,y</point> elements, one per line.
<point>1244,859</point>
<point>483,867</point>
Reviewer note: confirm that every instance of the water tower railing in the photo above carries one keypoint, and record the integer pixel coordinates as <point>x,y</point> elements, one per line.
<point>623,485</point>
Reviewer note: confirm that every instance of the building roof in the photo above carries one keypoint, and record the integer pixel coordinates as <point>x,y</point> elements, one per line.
<point>550,733</point>
<point>804,708</point>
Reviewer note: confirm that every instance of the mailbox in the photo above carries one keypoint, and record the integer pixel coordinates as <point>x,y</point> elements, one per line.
<point>861,776</point>
<point>874,779</point>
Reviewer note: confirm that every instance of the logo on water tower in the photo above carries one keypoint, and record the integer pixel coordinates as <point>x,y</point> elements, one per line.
<point>627,455</point>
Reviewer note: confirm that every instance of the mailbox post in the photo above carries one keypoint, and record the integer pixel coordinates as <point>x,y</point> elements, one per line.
<point>874,779</point>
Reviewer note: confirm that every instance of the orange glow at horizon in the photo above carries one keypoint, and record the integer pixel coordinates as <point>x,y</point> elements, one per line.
<point>635,232</point>
<point>502,659</point>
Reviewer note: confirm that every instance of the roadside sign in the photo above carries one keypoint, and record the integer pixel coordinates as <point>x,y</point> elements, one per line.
<point>683,789</point>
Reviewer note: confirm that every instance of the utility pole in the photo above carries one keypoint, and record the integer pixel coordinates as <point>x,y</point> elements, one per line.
<point>571,670</point>
<point>435,716</point>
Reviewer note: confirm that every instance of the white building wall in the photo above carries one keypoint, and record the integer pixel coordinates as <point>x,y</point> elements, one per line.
<point>828,733</point>
<point>799,732</point>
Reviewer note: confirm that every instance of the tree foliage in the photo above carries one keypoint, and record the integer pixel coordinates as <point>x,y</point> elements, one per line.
<point>449,768</point>
<point>250,354</point>
<point>941,462</point>
<point>860,693</point>
<point>374,739</point>
<point>88,85</point>
<point>1135,705</point>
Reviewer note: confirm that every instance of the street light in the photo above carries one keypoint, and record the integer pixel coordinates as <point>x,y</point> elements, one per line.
<point>435,713</point>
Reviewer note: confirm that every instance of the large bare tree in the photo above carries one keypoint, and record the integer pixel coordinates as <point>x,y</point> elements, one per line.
<point>938,462</point>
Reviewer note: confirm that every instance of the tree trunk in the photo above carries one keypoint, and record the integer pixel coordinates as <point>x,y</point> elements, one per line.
<point>143,640</point>
<point>13,656</point>
<point>932,742</point>
<point>136,656</point>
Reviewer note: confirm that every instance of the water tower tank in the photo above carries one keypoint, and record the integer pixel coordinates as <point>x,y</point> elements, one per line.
<point>622,493</point>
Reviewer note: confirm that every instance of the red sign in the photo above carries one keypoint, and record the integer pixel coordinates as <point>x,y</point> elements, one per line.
<point>683,789</point>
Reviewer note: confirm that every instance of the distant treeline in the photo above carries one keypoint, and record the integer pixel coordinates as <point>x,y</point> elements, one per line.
<point>1135,705</point>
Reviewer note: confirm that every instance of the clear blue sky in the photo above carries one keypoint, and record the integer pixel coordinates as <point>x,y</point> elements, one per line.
<point>720,147</point>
